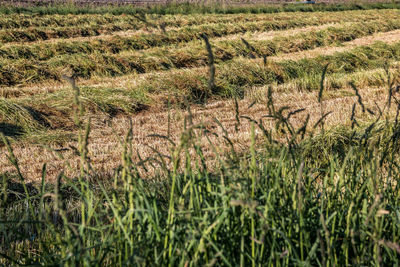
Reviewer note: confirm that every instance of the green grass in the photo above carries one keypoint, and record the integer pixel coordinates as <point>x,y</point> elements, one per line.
<point>297,196</point>
<point>328,200</point>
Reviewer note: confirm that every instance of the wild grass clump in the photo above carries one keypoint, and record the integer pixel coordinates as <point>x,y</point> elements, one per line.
<point>273,205</point>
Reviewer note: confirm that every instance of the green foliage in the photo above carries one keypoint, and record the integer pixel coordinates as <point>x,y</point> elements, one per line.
<point>277,205</point>
<point>328,197</point>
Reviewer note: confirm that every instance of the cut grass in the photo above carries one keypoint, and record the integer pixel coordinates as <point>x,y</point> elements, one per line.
<point>229,48</point>
<point>18,21</point>
<point>187,33</point>
<point>233,79</point>
<point>85,65</point>
<point>233,76</point>
<point>238,191</point>
<point>19,117</point>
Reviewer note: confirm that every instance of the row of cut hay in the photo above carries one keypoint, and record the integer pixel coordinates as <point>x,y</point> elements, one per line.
<point>92,62</point>
<point>18,119</point>
<point>140,20</point>
<point>183,34</point>
<point>116,44</point>
<point>235,77</point>
<point>55,21</point>
<point>232,79</point>
<point>40,34</point>
<point>337,82</point>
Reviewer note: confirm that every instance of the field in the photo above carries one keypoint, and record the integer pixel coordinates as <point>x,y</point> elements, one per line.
<point>200,135</point>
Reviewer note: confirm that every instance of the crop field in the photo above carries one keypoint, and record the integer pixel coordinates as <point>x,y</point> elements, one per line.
<point>192,135</point>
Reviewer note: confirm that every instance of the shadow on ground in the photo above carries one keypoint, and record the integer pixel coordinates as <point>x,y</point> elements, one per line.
<point>10,130</point>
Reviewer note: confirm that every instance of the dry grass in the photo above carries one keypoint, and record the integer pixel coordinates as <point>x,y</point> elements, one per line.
<point>131,80</point>
<point>285,33</point>
<point>105,149</point>
<point>387,37</point>
<point>174,22</point>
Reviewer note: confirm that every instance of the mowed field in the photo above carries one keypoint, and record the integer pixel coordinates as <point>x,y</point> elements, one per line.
<point>198,139</point>
<point>148,69</point>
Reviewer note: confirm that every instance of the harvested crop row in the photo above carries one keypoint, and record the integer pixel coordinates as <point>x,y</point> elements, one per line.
<point>56,21</point>
<point>45,51</point>
<point>183,34</point>
<point>92,63</point>
<point>24,21</point>
<point>232,79</point>
<point>21,22</point>
<point>335,83</point>
<point>36,34</point>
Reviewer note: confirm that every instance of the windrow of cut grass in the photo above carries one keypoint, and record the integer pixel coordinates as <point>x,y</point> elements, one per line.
<point>52,112</point>
<point>181,87</point>
<point>57,21</point>
<point>37,34</point>
<point>338,82</point>
<point>91,62</point>
<point>172,56</point>
<point>183,34</point>
<point>232,78</point>
<point>17,21</point>
<point>141,20</point>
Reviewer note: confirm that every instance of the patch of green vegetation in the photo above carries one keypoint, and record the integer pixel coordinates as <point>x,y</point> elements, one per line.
<point>331,199</point>
<point>320,197</point>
